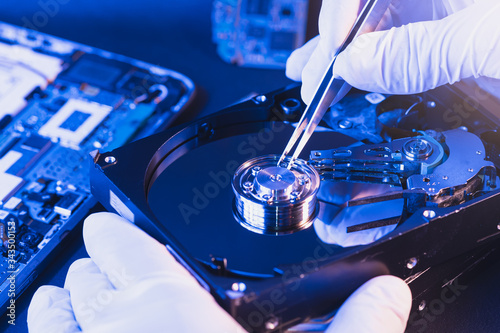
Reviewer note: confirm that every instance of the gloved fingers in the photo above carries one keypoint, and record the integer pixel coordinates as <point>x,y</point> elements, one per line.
<point>383,303</point>
<point>421,56</point>
<point>299,58</point>
<point>188,303</point>
<point>390,61</point>
<point>84,274</point>
<point>50,311</point>
<point>91,291</point>
<point>403,12</point>
<point>125,253</point>
<point>313,71</point>
<point>335,21</point>
<point>97,303</point>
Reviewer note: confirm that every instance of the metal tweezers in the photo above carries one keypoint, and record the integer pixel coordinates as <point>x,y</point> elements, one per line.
<point>331,90</point>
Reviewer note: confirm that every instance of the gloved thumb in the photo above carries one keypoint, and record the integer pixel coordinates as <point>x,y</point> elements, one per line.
<point>381,305</point>
<point>424,55</point>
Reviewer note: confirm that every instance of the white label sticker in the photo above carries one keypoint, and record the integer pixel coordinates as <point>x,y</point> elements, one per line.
<point>120,207</point>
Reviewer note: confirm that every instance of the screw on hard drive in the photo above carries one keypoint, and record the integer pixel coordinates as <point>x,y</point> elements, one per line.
<point>302,179</point>
<point>431,104</point>
<point>248,186</point>
<point>260,99</point>
<point>345,124</point>
<point>430,214</point>
<point>272,323</point>
<point>255,170</point>
<point>107,161</point>
<point>219,264</point>
<point>206,131</point>
<point>411,263</point>
<point>239,286</point>
<point>294,195</point>
<point>290,106</point>
<point>101,161</point>
<point>110,159</point>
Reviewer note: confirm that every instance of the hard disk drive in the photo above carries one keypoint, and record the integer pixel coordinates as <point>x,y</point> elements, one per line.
<point>401,185</point>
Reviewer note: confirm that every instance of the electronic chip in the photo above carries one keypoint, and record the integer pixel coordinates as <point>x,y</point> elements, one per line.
<point>75,121</point>
<point>96,71</point>
<point>21,158</point>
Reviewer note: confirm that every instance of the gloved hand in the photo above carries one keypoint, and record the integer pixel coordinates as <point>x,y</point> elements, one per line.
<point>132,284</point>
<point>431,42</point>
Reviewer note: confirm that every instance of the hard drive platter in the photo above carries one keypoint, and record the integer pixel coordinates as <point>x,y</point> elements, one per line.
<point>277,247</point>
<point>194,212</point>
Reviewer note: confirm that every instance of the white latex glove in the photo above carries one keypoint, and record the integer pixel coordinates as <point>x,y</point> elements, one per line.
<point>434,42</point>
<point>132,284</point>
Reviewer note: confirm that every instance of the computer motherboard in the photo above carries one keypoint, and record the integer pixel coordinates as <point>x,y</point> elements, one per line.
<point>58,101</point>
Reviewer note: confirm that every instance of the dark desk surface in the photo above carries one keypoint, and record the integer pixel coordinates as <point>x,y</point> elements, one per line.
<point>177,35</point>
